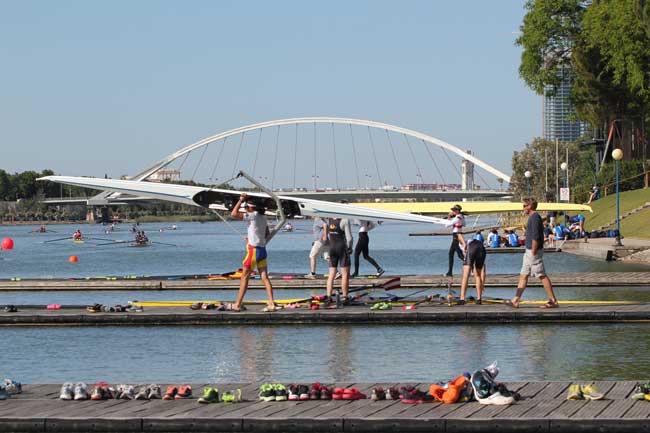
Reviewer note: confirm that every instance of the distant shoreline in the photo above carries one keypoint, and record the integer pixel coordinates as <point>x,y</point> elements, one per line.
<point>144,219</point>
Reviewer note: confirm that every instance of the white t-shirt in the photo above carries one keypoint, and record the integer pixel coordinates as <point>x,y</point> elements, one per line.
<point>458,222</point>
<point>365,226</point>
<point>256,229</point>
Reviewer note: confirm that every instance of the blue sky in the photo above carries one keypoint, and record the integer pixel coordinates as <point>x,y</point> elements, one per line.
<point>108,87</point>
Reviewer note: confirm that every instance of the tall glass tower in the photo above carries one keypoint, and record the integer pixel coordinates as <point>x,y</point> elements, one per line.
<point>557,112</point>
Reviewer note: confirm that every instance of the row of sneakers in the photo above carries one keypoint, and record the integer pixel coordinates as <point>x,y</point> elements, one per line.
<point>99,308</point>
<point>212,395</point>
<point>585,392</point>
<point>104,391</point>
<point>313,275</point>
<point>10,387</point>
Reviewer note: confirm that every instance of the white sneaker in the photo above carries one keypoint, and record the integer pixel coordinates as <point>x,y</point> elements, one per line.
<point>497,399</point>
<point>338,275</point>
<point>67,392</point>
<point>310,276</point>
<point>81,391</point>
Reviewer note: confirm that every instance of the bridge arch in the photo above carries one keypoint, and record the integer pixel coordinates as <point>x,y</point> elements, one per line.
<point>313,120</point>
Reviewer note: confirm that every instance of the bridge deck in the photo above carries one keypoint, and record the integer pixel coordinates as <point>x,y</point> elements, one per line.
<point>188,282</point>
<point>543,408</point>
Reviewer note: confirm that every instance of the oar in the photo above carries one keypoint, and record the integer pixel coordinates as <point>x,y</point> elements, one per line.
<point>164,243</point>
<point>59,239</point>
<point>393,283</point>
<point>96,239</point>
<point>413,306</point>
<point>113,243</point>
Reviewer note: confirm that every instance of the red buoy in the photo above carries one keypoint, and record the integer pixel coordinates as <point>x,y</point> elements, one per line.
<point>73,259</point>
<point>7,244</point>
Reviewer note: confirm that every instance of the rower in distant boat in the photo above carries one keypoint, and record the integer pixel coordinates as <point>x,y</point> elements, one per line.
<point>141,238</point>
<point>42,229</point>
<point>77,236</point>
<point>288,227</point>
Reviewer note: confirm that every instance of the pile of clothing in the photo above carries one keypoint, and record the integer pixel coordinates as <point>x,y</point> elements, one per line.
<point>480,386</point>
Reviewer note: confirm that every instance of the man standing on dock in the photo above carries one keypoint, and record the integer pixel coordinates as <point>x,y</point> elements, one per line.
<point>318,246</point>
<point>533,263</point>
<point>258,233</point>
<point>339,237</point>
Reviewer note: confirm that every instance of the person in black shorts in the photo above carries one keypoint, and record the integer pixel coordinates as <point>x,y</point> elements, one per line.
<point>339,236</point>
<point>474,262</point>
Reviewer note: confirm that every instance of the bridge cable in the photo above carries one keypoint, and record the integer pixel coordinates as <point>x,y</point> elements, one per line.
<point>214,169</point>
<point>354,154</point>
<point>257,151</point>
<point>392,150</point>
<point>205,148</point>
<point>487,185</point>
<point>183,162</point>
<point>275,160</point>
<point>336,169</point>
<point>295,156</point>
<point>452,163</point>
<point>237,155</point>
<point>442,178</point>
<point>314,176</point>
<point>374,155</point>
<point>415,161</point>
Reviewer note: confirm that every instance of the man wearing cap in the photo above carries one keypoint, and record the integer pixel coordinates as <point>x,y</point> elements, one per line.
<point>457,221</point>
<point>258,233</point>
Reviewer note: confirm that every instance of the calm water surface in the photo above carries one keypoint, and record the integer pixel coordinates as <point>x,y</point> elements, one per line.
<point>423,353</point>
<point>215,247</point>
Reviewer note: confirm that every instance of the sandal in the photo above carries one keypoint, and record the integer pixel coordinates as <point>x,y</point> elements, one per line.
<point>509,303</point>
<point>231,307</point>
<point>550,304</point>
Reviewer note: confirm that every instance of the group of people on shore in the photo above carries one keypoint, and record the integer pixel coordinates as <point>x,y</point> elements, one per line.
<point>333,236</point>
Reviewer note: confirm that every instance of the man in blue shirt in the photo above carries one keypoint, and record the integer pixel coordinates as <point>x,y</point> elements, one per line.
<point>533,262</point>
<point>494,240</point>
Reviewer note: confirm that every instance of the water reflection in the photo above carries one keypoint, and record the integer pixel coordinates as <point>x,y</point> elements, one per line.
<point>343,353</point>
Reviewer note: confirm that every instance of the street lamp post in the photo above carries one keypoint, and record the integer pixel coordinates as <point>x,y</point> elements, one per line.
<point>565,168</point>
<point>617,155</point>
<point>315,181</point>
<point>527,175</point>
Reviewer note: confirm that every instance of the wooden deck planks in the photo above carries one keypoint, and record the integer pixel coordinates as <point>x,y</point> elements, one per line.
<point>544,407</point>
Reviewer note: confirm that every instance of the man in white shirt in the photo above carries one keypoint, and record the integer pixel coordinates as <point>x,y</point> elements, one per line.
<point>318,246</point>
<point>258,233</point>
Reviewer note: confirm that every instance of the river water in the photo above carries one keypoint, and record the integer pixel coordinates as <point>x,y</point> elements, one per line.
<point>304,353</point>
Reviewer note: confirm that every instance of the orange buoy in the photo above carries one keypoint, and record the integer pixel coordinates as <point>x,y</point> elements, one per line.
<point>7,244</point>
<point>73,259</point>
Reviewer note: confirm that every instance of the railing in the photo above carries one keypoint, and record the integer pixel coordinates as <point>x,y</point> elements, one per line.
<point>646,181</point>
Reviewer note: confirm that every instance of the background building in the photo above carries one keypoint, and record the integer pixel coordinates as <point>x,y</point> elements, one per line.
<point>557,113</point>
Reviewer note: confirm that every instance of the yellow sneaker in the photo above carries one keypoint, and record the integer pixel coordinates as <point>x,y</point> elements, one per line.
<point>590,392</point>
<point>575,393</point>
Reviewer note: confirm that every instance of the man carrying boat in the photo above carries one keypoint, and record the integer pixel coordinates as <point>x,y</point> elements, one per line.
<point>339,236</point>
<point>258,233</point>
<point>318,246</point>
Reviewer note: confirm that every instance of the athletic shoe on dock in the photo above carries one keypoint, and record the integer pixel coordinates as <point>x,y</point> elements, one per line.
<point>267,392</point>
<point>170,393</point>
<point>575,393</point>
<point>590,392</point>
<point>210,395</point>
<point>81,391</point>
<point>143,393</point>
<point>12,387</point>
<point>294,393</point>
<point>3,393</point>
<point>280,392</point>
<point>184,392</point>
<point>154,392</point>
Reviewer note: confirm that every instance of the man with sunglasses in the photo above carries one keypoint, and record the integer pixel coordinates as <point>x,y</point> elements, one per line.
<point>533,263</point>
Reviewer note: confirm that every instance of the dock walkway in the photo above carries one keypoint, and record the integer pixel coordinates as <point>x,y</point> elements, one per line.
<point>424,314</point>
<point>565,279</point>
<point>543,408</point>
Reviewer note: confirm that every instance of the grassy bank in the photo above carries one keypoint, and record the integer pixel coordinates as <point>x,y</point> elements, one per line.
<point>637,225</point>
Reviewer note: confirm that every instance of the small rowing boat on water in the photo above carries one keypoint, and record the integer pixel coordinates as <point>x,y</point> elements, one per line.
<point>78,241</point>
<point>140,244</point>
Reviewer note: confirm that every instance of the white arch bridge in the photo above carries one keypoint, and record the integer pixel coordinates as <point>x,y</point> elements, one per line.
<point>331,158</point>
